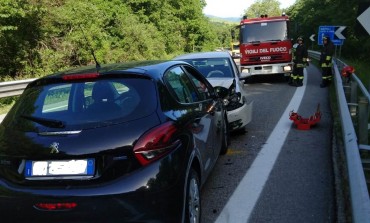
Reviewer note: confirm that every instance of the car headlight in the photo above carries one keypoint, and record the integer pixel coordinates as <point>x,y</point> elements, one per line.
<point>245,70</point>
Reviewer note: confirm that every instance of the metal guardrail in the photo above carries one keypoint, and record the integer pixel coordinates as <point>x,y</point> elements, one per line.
<point>13,88</point>
<point>359,194</point>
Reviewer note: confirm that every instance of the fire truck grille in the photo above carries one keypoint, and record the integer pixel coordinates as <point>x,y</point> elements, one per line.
<point>263,59</point>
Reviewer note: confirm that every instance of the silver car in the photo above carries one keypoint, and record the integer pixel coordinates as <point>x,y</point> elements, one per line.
<point>220,70</point>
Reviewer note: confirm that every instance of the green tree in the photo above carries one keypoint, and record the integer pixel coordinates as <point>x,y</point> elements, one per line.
<point>19,35</point>
<point>109,28</point>
<point>309,15</point>
<point>264,7</point>
<point>182,22</point>
<point>39,37</point>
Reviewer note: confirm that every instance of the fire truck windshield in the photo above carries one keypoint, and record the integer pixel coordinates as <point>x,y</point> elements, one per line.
<point>264,31</point>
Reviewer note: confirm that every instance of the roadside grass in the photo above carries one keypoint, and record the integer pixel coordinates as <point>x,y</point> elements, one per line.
<point>7,103</point>
<point>362,71</point>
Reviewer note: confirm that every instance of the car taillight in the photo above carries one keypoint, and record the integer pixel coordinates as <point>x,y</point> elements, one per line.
<point>80,76</point>
<point>156,143</point>
<point>55,206</point>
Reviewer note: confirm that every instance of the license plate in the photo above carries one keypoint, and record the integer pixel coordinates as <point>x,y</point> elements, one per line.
<point>78,168</point>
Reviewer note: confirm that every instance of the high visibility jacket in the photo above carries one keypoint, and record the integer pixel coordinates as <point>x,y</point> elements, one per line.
<point>326,56</point>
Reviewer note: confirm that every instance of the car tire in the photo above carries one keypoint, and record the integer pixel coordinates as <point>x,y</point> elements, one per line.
<point>193,205</point>
<point>225,138</point>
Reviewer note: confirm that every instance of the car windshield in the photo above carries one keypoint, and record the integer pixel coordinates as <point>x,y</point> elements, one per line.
<point>84,104</point>
<point>213,67</point>
<point>266,31</point>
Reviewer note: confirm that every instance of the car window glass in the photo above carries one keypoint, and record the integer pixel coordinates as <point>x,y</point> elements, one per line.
<point>181,85</point>
<point>202,89</point>
<point>89,103</point>
<point>213,67</point>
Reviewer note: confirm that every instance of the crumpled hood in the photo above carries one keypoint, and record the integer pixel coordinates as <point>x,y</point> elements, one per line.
<point>222,82</point>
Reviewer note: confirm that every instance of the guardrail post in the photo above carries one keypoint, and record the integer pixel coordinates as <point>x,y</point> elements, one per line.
<point>363,117</point>
<point>347,91</point>
<point>353,92</point>
<point>353,99</point>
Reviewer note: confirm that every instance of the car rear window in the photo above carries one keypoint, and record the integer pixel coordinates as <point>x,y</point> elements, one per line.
<point>86,104</point>
<point>213,67</point>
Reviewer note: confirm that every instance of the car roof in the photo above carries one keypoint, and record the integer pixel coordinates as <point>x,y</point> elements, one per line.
<point>151,68</point>
<point>200,55</point>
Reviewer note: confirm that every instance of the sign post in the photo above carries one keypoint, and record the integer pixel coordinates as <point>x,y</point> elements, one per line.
<point>312,39</point>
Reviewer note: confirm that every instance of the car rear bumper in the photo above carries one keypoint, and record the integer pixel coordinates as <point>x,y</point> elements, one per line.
<point>134,198</point>
<point>117,208</point>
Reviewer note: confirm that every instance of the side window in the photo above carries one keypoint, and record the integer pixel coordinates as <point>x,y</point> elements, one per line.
<point>202,90</point>
<point>181,85</point>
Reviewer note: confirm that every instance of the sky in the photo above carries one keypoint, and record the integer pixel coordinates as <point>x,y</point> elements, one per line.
<point>234,8</point>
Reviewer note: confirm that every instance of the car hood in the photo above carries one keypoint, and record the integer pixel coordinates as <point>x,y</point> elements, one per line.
<point>222,82</point>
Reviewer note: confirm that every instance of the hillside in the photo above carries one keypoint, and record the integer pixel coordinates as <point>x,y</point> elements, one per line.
<point>227,20</point>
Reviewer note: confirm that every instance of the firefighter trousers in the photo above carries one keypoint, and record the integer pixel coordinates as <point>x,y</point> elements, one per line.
<point>296,78</point>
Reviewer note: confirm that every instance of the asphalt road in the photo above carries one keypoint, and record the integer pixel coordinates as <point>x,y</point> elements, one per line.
<point>275,172</point>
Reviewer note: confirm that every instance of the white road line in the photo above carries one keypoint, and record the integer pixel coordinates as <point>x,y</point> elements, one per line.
<point>2,116</point>
<point>241,203</point>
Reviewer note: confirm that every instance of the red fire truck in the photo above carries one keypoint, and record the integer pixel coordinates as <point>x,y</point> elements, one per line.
<point>265,47</point>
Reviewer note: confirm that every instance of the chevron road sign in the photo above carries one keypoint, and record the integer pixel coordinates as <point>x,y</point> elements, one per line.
<point>338,32</point>
<point>364,20</point>
<point>312,37</point>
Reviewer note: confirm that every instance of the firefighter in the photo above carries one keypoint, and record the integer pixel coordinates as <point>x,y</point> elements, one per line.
<point>300,61</point>
<point>326,56</point>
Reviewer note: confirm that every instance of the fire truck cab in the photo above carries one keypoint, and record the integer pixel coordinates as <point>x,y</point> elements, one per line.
<point>265,47</point>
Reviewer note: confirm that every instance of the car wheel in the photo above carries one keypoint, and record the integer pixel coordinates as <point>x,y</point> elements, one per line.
<point>193,206</point>
<point>225,138</point>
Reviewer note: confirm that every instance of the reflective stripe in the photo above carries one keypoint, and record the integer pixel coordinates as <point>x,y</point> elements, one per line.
<point>326,65</point>
<point>294,76</point>
<point>328,57</point>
